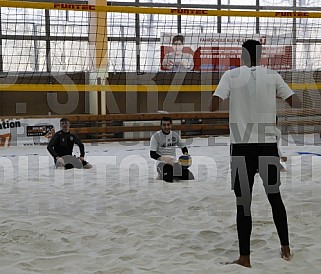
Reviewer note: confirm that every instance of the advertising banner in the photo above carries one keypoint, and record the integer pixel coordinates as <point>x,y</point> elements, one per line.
<point>221,52</point>
<point>14,132</point>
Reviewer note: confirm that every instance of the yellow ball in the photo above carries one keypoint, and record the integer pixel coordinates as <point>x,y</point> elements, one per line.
<point>185,161</point>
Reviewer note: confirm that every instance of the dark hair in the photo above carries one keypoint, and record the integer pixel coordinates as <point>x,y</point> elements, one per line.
<point>251,52</point>
<point>178,38</point>
<point>166,118</point>
<point>64,120</point>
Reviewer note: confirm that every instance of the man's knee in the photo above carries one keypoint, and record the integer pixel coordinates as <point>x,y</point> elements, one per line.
<point>274,198</point>
<point>269,169</point>
<point>167,173</point>
<point>187,174</point>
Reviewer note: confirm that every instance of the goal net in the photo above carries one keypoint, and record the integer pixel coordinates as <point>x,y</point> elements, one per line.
<point>84,46</point>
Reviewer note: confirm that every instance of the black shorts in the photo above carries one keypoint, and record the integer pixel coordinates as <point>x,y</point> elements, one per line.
<point>249,159</point>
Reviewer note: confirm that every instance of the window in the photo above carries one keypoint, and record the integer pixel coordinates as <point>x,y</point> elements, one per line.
<point>69,56</point>
<point>24,55</point>
<point>121,56</point>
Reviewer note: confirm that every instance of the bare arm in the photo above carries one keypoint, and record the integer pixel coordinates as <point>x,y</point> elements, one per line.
<point>168,62</point>
<point>294,101</point>
<point>215,103</point>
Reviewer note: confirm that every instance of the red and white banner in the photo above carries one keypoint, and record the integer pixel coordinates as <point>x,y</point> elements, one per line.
<point>221,52</point>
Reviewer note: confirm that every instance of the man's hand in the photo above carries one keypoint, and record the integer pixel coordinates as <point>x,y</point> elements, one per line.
<point>184,63</point>
<point>167,160</point>
<point>284,159</point>
<point>169,65</point>
<point>60,161</point>
<point>81,159</point>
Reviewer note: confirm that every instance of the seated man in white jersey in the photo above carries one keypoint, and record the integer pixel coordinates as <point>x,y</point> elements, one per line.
<point>163,149</point>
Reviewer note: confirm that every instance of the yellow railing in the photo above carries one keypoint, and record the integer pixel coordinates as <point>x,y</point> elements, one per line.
<point>166,11</point>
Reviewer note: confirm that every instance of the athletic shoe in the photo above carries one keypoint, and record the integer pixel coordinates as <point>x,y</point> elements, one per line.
<point>86,165</point>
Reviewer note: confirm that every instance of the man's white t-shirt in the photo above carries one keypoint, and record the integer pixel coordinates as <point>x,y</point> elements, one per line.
<point>252,92</point>
<point>165,144</point>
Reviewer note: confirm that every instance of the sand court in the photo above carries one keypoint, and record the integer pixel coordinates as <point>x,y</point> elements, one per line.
<point>117,218</point>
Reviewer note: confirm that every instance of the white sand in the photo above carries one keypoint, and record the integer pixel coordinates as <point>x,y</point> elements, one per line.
<point>116,219</point>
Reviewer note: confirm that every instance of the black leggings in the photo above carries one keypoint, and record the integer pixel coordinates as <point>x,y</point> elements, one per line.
<point>247,160</point>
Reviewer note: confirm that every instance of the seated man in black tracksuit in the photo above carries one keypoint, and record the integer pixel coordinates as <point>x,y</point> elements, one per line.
<point>62,143</point>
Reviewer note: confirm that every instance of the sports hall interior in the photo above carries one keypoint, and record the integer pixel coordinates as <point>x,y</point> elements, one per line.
<point>98,62</point>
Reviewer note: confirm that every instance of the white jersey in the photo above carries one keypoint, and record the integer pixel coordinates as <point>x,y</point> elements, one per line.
<point>252,92</point>
<point>165,144</point>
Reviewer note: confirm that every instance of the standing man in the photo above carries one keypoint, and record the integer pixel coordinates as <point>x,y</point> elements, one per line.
<point>61,146</point>
<point>163,145</point>
<point>252,90</point>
